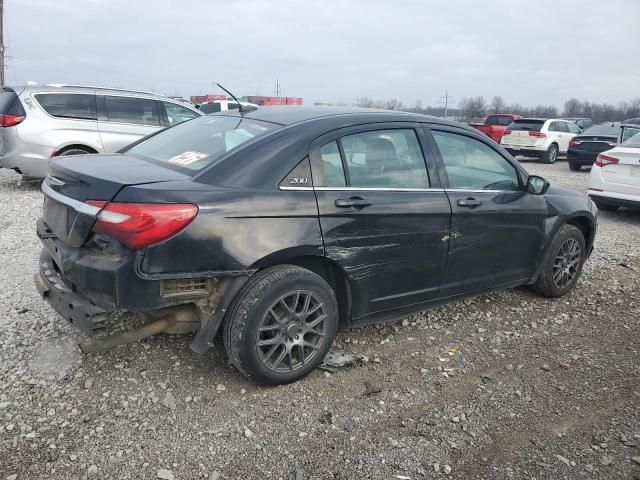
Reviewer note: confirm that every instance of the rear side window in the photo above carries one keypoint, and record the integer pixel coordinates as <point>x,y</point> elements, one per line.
<point>138,111</point>
<point>68,105</point>
<point>470,164</point>
<point>527,125</point>
<point>327,166</point>
<point>192,146</point>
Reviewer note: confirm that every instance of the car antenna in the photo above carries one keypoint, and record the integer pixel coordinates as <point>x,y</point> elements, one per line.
<point>240,107</point>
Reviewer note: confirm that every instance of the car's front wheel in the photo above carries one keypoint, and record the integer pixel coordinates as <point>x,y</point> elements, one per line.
<point>551,155</point>
<point>281,325</point>
<point>562,263</point>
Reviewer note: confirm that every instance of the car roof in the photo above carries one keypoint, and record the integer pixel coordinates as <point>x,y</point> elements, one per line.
<point>55,87</point>
<point>290,115</point>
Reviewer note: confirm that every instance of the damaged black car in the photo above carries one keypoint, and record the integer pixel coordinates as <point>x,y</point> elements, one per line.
<point>278,226</point>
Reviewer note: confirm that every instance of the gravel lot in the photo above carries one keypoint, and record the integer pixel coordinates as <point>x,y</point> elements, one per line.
<point>507,385</point>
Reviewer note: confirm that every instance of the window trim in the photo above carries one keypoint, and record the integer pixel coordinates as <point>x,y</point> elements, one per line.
<point>521,174</point>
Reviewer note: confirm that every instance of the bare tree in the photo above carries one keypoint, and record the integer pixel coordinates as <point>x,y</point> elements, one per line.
<point>573,108</point>
<point>473,108</point>
<point>497,104</point>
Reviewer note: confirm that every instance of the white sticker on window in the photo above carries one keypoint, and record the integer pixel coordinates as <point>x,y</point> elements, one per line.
<point>187,158</point>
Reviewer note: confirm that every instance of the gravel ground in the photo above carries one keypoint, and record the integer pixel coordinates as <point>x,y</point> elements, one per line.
<point>507,385</point>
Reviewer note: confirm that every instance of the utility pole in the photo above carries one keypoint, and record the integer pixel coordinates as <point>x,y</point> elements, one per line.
<point>446,99</point>
<point>277,85</point>
<point>2,43</point>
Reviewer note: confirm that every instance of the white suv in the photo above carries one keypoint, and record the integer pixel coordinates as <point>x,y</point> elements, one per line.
<point>536,137</point>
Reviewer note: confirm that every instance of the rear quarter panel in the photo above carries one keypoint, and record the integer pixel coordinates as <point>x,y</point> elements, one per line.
<point>240,229</point>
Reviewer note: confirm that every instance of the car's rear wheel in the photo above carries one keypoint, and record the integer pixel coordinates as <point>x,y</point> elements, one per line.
<point>574,167</point>
<point>551,155</point>
<point>562,263</point>
<point>281,325</point>
<point>606,207</point>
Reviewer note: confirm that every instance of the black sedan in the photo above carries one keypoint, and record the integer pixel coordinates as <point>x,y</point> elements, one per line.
<point>584,148</point>
<point>280,225</point>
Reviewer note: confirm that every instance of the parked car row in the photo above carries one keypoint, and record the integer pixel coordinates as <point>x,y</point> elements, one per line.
<point>38,123</point>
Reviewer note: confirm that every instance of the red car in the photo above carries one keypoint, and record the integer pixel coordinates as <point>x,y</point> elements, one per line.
<point>495,125</point>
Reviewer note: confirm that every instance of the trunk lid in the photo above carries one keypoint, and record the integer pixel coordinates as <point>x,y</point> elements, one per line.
<point>627,170</point>
<point>74,179</point>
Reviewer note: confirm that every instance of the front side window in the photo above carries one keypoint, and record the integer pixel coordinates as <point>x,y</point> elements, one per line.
<point>68,105</point>
<point>139,111</point>
<point>177,113</point>
<point>192,146</point>
<point>473,165</point>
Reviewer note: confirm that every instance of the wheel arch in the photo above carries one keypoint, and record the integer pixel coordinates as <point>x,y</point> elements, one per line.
<point>586,226</point>
<point>83,146</point>
<point>330,271</point>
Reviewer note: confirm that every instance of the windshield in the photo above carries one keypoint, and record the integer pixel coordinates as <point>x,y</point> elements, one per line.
<point>610,130</point>
<point>527,124</point>
<point>200,143</point>
<point>632,142</point>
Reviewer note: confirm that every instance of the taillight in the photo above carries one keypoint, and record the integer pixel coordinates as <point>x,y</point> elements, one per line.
<point>507,132</point>
<point>537,134</point>
<point>10,120</point>
<point>138,225</point>
<point>603,160</point>
<point>573,143</point>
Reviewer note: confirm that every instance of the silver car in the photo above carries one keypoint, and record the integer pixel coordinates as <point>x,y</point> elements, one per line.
<point>40,122</point>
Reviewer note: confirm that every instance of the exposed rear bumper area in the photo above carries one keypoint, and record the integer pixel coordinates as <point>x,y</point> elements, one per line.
<point>613,198</point>
<point>84,315</point>
<point>527,152</point>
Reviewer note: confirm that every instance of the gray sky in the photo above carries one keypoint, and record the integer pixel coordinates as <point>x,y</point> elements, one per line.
<point>529,52</point>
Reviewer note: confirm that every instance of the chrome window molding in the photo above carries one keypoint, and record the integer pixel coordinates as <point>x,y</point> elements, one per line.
<point>77,205</point>
<point>395,189</point>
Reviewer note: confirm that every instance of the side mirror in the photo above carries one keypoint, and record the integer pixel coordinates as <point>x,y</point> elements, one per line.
<point>537,185</point>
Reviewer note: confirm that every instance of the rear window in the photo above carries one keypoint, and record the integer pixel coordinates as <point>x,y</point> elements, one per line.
<point>68,105</point>
<point>498,120</point>
<point>197,144</point>
<point>528,125</point>
<point>606,130</point>
<point>9,103</point>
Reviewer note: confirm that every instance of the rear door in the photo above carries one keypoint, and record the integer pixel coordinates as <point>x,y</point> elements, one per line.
<point>384,219</point>
<point>497,227</point>
<point>122,120</point>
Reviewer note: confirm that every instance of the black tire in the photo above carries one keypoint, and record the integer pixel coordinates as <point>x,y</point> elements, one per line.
<point>74,151</point>
<point>607,207</point>
<point>551,155</point>
<point>574,167</point>
<point>546,284</point>
<point>261,301</point>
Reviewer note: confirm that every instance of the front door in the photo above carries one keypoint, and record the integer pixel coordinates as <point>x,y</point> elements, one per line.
<point>381,220</point>
<point>497,228</point>
<point>123,120</point>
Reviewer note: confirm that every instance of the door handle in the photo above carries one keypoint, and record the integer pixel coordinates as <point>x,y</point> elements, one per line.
<point>469,203</point>
<point>355,202</point>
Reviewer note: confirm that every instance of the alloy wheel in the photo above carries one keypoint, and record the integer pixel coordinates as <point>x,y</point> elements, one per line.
<point>567,263</point>
<point>291,332</point>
